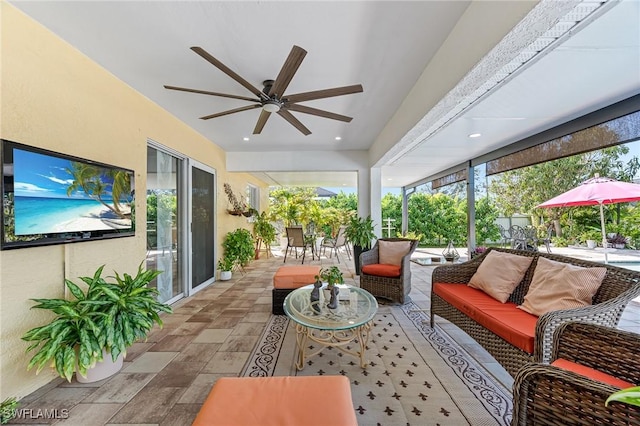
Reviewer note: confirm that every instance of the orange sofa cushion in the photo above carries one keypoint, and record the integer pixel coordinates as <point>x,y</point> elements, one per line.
<point>278,401</point>
<point>504,319</point>
<point>382,270</point>
<point>591,373</point>
<point>295,276</point>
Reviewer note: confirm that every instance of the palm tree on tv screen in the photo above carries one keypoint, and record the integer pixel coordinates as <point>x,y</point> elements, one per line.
<point>88,178</point>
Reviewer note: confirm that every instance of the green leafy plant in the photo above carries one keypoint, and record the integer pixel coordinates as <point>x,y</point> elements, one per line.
<point>225,264</point>
<point>359,232</point>
<point>331,275</point>
<point>629,396</point>
<point>263,228</point>
<point>109,316</point>
<point>8,409</point>
<point>239,247</point>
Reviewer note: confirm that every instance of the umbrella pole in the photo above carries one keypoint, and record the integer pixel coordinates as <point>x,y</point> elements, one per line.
<point>604,234</point>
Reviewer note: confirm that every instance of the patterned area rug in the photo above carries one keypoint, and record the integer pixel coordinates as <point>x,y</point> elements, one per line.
<point>416,375</point>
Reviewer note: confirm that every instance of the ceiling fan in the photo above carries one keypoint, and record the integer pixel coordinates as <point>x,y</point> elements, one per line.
<point>272,98</point>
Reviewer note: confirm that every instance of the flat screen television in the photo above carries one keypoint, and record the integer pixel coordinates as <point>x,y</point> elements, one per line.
<point>53,198</point>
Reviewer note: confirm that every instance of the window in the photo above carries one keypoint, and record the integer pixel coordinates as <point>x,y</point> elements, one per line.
<point>253,197</point>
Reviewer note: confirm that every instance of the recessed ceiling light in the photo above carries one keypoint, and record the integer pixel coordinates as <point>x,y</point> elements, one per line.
<point>338,138</point>
<point>475,135</point>
<point>245,139</point>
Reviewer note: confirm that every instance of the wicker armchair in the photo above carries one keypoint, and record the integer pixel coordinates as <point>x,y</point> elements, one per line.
<point>547,395</point>
<point>394,289</point>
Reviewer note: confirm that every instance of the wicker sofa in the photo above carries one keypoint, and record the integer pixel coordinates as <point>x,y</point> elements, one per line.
<point>618,287</point>
<point>566,394</point>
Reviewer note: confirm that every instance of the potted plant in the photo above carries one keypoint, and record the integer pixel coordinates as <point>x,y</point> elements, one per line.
<point>478,251</point>
<point>332,276</point>
<point>225,266</point>
<point>95,328</point>
<point>239,247</point>
<point>237,206</point>
<point>359,232</point>
<point>265,232</point>
<point>591,237</point>
<point>617,241</point>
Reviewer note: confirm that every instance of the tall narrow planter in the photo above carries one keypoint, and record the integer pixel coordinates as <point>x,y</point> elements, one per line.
<point>357,250</point>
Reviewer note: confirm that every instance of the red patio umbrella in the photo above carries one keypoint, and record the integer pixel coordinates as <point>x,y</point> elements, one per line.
<point>597,191</point>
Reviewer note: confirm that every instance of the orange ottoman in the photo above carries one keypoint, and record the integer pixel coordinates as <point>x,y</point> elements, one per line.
<point>278,401</point>
<point>287,279</point>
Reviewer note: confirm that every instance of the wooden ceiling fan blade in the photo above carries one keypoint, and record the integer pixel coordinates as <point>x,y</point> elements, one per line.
<point>325,93</point>
<point>262,120</point>
<point>287,71</point>
<point>231,111</point>
<point>294,121</point>
<point>205,92</point>
<point>222,67</point>
<point>319,112</point>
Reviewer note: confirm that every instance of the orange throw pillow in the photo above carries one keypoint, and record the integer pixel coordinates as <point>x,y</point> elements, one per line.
<point>557,285</point>
<point>499,274</point>
<point>392,252</point>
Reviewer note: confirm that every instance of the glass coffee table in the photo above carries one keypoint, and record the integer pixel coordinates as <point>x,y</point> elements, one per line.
<point>338,328</point>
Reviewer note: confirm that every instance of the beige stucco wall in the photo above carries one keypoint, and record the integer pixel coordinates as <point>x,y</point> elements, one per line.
<point>55,98</point>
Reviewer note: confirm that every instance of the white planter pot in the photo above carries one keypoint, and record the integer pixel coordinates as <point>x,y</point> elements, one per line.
<point>225,275</point>
<point>591,244</point>
<point>103,369</point>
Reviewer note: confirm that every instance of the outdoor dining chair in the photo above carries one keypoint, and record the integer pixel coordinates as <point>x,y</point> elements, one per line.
<point>295,240</point>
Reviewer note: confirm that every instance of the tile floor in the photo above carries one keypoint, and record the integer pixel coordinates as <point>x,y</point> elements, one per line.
<point>166,379</point>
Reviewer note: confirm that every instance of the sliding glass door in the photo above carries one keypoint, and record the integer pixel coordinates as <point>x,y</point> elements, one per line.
<point>202,242</point>
<point>164,222</point>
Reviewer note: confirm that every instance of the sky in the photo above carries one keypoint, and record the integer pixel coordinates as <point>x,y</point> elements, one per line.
<point>40,175</point>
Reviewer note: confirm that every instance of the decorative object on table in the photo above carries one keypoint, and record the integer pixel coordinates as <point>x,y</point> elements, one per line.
<point>359,232</point>
<point>333,301</point>
<point>332,276</point>
<point>450,253</point>
<point>315,295</point>
<point>105,320</point>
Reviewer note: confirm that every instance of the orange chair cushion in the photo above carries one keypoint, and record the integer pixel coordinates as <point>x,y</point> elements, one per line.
<point>382,270</point>
<point>504,319</point>
<point>278,401</point>
<point>295,276</point>
<point>591,373</point>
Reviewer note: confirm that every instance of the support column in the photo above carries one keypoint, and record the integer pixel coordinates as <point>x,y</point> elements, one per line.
<point>375,183</point>
<point>471,209</point>
<point>405,209</point>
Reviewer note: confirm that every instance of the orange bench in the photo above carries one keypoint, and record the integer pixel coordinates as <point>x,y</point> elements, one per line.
<point>287,279</point>
<point>278,401</point>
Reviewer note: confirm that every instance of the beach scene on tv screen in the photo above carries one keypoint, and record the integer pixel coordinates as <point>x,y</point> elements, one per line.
<point>57,195</point>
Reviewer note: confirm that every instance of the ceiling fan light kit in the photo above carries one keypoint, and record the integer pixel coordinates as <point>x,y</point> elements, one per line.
<point>272,98</point>
<point>271,106</point>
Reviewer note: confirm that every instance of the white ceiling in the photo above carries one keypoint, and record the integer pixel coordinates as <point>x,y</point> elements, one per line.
<point>383,45</point>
